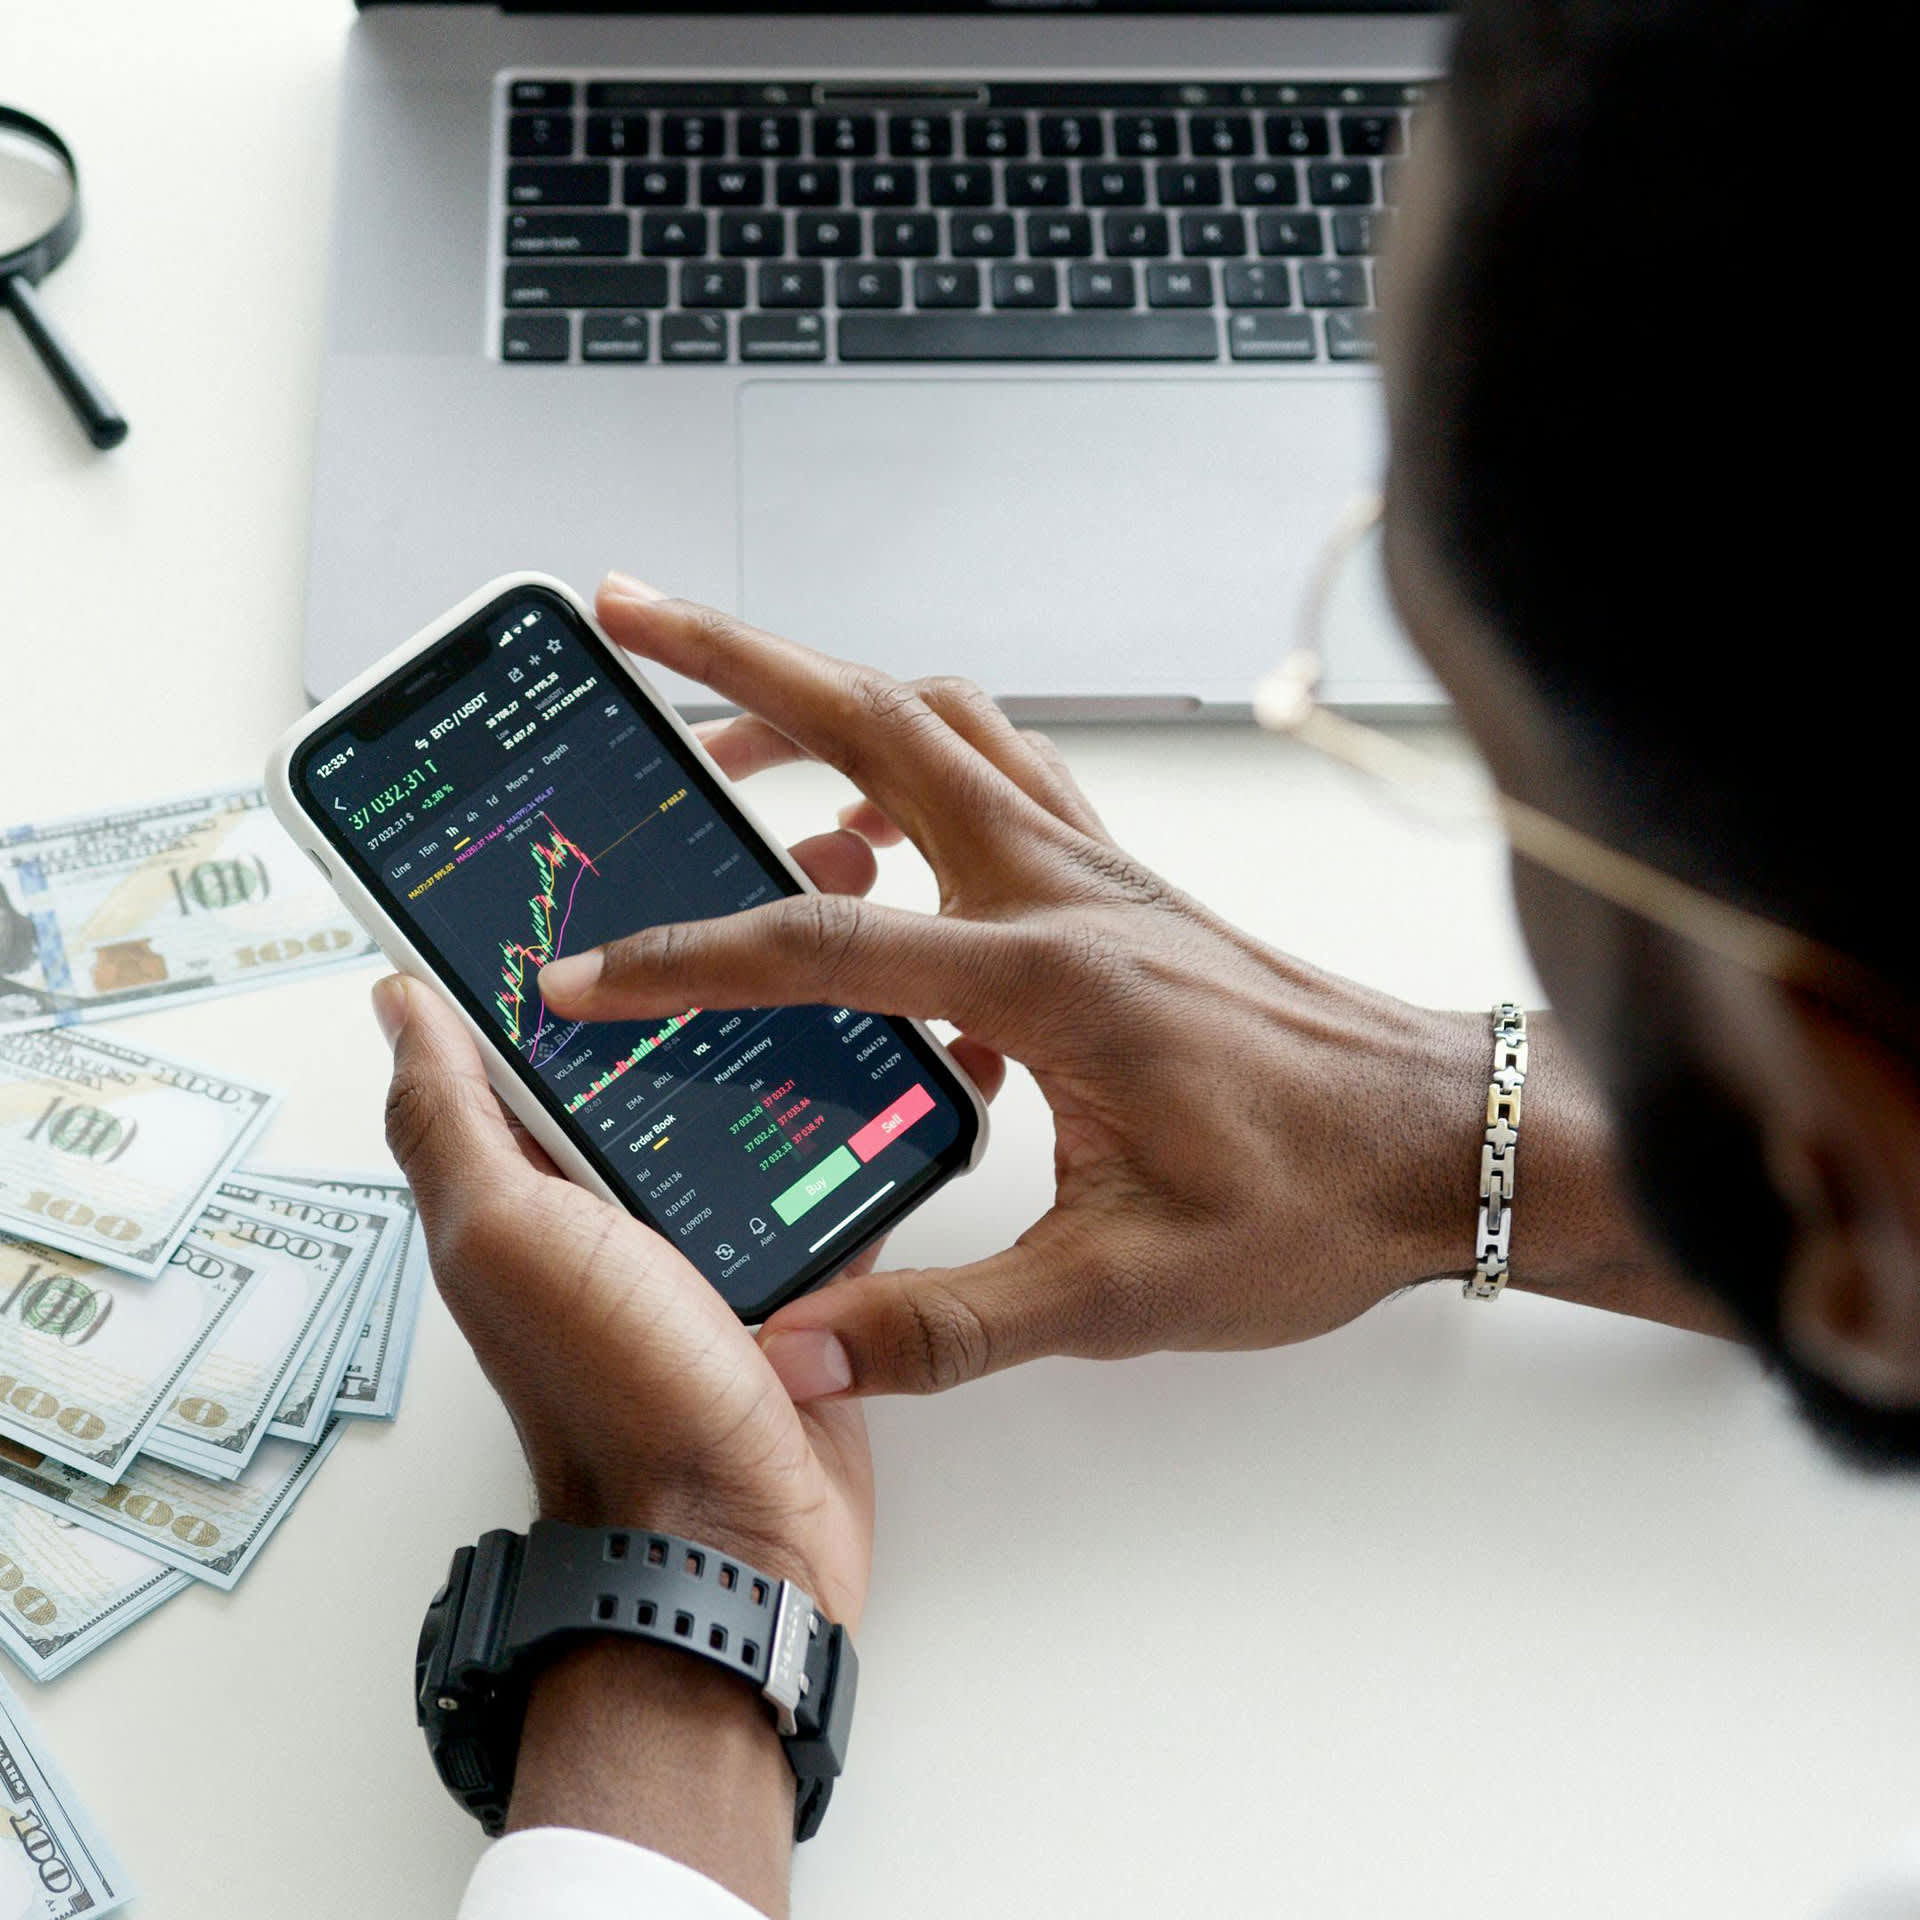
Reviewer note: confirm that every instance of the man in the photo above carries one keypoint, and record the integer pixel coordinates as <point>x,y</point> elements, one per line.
<point>1609,504</point>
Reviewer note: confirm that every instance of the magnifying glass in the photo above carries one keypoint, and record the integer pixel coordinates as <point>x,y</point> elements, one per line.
<point>39,223</point>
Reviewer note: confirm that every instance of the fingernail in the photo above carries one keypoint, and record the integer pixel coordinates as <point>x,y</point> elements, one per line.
<point>623,586</point>
<point>390,1006</point>
<point>572,976</point>
<point>811,1365</point>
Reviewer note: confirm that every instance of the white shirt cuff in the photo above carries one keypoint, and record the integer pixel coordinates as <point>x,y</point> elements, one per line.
<point>562,1873</point>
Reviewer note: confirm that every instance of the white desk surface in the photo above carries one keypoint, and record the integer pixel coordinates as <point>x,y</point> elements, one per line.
<point>1511,1612</point>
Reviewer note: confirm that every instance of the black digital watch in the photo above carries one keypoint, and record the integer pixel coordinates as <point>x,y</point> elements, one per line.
<point>513,1600</point>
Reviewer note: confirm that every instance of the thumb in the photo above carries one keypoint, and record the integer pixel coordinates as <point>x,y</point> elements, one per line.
<point>920,1331</point>
<point>444,1125</point>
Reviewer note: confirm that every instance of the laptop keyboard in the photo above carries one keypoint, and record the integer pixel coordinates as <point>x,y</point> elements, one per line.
<point>647,222</point>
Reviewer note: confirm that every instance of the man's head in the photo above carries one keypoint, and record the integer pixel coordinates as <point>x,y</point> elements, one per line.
<point>1636,521</point>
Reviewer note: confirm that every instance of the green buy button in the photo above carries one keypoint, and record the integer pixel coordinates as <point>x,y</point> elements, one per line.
<point>839,1165</point>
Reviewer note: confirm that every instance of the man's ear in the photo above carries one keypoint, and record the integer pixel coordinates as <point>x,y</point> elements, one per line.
<point>1845,1154</point>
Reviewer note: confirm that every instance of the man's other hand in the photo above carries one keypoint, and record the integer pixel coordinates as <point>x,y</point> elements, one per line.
<point>1247,1151</point>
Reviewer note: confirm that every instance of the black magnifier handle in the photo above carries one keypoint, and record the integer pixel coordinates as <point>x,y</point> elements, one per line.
<point>105,424</point>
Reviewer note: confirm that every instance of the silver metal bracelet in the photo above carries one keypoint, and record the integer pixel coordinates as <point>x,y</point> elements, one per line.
<point>1497,1153</point>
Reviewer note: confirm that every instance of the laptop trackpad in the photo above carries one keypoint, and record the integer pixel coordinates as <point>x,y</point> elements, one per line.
<point>1139,539</point>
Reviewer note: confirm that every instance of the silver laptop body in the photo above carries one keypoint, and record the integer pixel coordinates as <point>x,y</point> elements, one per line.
<point>1087,537</point>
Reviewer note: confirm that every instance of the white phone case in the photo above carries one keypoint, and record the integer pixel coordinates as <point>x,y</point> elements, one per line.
<point>392,939</point>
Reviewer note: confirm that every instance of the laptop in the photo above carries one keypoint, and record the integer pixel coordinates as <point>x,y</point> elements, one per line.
<point>1023,341</point>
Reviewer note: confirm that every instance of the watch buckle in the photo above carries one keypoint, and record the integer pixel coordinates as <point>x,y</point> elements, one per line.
<point>794,1623</point>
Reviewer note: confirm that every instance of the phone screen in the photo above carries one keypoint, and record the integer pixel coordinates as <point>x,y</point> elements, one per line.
<point>510,796</point>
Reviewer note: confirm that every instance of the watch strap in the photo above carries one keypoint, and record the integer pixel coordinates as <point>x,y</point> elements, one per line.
<point>520,1597</point>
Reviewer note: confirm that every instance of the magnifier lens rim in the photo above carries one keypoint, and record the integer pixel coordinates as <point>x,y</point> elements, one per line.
<point>38,258</point>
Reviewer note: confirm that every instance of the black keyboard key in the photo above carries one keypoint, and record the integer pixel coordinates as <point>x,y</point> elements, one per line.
<point>883,184</point>
<point>753,236</point>
<point>793,283</point>
<point>614,336</point>
<point>536,336</point>
<point>617,136</point>
<point>1196,184</point>
<point>1026,284</point>
<point>976,236</point>
<point>1215,236</point>
<point>1266,184</point>
<point>559,183</point>
<point>1270,336</point>
<point>1188,284</point>
<point>845,136</point>
<point>1055,236</point>
<point>906,236</point>
<point>693,336</point>
<point>1039,185</point>
<point>1072,136</point>
<point>540,136</point>
<point>1110,283</point>
<point>660,186</point>
<point>959,184</point>
<point>1029,336</point>
<point>1357,233</point>
<point>692,136</point>
<point>1350,336</point>
<point>587,286</point>
<point>561,236</point>
<point>541,93</point>
<point>1259,283</point>
<point>1113,186</point>
<point>1145,135</point>
<point>737,184</point>
<point>807,183</point>
<point>680,234</point>
<point>957,285</point>
<point>783,336</point>
<point>713,283</point>
<point>1290,233</point>
<point>1340,183</point>
<point>1292,136</point>
<point>769,136</point>
<point>834,236</point>
<point>1133,236</point>
<point>1333,283</point>
<point>995,136</point>
<point>868,283</point>
<point>1370,135</point>
<point>920,136</point>
<point>1224,135</point>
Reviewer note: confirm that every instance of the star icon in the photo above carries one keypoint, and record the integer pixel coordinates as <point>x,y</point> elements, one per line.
<point>553,645</point>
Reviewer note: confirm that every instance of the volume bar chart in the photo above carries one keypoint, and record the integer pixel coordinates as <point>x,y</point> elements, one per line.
<point>651,1044</point>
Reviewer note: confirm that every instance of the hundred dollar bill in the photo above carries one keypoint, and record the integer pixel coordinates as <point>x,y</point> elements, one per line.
<point>53,1863</point>
<point>210,1529</point>
<point>113,913</point>
<point>110,1151</point>
<point>375,1232</point>
<point>90,1360</point>
<point>65,1591</point>
<point>219,1416</point>
<point>370,1388</point>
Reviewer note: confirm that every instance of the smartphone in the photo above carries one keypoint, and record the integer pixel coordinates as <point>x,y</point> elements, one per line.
<point>506,788</point>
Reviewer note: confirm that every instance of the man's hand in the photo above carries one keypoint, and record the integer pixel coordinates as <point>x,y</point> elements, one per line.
<point>639,1397</point>
<point>1247,1151</point>
<point>640,1400</point>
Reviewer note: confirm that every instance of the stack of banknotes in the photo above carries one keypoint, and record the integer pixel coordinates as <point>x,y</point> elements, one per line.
<point>186,1331</point>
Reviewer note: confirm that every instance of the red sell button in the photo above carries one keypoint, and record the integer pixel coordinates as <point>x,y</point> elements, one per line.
<point>912,1105</point>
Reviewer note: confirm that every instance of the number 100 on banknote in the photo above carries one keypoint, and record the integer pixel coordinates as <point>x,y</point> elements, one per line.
<point>115,913</point>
